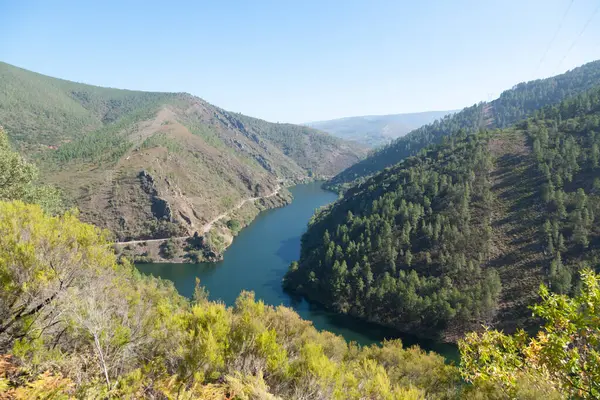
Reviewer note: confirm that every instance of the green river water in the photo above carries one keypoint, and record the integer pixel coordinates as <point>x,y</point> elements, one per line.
<point>257,261</point>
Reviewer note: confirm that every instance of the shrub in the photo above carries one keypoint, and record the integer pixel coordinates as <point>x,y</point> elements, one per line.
<point>234,225</point>
<point>168,249</point>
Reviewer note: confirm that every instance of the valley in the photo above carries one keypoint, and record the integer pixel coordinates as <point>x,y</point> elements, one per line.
<point>257,261</point>
<point>255,200</point>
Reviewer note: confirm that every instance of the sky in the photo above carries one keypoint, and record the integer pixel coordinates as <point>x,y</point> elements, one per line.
<point>304,60</point>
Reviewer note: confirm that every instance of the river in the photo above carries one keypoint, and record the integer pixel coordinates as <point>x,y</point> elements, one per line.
<point>257,261</point>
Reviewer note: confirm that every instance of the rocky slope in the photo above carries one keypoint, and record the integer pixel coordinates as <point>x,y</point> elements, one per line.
<point>156,165</point>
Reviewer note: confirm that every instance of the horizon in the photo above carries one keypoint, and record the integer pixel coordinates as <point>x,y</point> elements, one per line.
<point>325,61</point>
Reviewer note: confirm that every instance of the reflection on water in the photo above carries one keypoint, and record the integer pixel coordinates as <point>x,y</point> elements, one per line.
<point>257,261</point>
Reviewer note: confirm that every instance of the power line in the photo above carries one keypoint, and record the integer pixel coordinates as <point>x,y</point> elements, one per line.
<point>560,24</point>
<point>579,36</point>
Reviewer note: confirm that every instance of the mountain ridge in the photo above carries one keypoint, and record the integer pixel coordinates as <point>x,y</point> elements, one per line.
<point>154,165</point>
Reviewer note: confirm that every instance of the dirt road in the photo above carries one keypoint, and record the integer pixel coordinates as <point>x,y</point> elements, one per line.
<point>208,226</point>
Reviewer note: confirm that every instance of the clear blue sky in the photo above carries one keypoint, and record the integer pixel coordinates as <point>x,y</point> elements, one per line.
<point>299,61</point>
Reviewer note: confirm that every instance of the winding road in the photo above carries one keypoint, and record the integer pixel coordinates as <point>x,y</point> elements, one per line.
<point>208,226</point>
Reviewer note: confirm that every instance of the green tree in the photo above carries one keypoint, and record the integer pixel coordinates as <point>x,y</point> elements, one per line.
<point>169,249</point>
<point>17,178</point>
<point>15,173</point>
<point>234,225</point>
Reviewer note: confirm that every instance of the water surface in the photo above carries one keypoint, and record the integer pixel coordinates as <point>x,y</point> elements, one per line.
<point>257,261</point>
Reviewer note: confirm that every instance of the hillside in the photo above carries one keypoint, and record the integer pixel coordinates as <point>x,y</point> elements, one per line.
<point>377,130</point>
<point>512,106</point>
<point>152,165</point>
<point>463,233</point>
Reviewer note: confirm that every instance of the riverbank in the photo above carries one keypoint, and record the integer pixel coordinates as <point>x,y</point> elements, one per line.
<point>257,261</point>
<point>210,241</point>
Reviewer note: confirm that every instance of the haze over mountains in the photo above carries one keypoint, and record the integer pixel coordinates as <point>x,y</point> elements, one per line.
<point>377,130</point>
<point>148,165</point>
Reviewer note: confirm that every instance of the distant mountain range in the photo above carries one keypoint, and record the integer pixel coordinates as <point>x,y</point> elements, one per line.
<point>377,130</point>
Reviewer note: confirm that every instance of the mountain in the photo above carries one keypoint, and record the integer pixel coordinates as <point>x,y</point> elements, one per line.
<point>512,106</point>
<point>377,130</point>
<point>152,165</point>
<point>463,233</point>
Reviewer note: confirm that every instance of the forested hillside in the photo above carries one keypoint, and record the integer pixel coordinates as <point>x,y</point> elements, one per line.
<point>152,165</point>
<point>377,130</point>
<point>463,233</point>
<point>513,105</point>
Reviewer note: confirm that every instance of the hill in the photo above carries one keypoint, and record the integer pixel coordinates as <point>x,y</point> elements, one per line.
<point>512,106</point>
<point>463,233</point>
<point>153,165</point>
<point>377,130</point>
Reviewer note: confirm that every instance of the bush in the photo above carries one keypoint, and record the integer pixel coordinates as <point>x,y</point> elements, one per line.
<point>144,258</point>
<point>562,359</point>
<point>194,256</point>
<point>169,249</point>
<point>234,225</point>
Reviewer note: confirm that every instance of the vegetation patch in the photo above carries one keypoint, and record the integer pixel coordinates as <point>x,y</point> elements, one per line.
<point>168,249</point>
<point>161,139</point>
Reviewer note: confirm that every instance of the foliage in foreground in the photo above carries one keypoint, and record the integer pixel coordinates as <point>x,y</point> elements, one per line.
<point>78,323</point>
<point>565,354</point>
